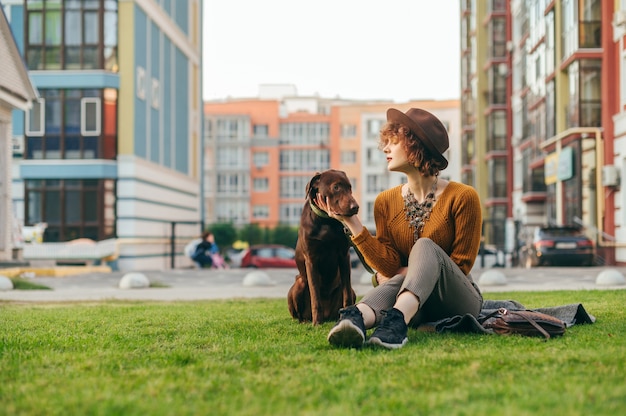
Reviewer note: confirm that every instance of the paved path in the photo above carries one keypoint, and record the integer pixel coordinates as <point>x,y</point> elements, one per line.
<point>188,284</point>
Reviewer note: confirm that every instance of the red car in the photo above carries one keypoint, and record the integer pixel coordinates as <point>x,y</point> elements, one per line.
<point>269,256</point>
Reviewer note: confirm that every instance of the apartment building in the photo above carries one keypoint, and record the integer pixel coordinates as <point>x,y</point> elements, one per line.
<point>112,147</point>
<point>261,152</point>
<point>541,106</point>
<point>485,161</point>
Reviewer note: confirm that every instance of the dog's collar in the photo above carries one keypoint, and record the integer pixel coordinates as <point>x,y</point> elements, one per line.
<point>318,211</point>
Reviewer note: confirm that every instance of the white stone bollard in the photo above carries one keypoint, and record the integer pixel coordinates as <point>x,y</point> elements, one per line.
<point>492,277</point>
<point>6,284</point>
<point>134,280</point>
<point>258,278</point>
<point>610,277</point>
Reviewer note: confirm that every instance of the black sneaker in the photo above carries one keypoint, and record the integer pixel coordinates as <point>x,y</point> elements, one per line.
<point>391,333</point>
<point>349,330</point>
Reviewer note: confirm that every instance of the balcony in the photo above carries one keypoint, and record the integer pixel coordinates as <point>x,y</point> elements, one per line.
<point>586,114</point>
<point>534,186</point>
<point>590,34</point>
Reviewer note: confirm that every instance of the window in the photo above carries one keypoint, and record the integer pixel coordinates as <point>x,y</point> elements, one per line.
<point>260,131</point>
<point>72,124</point>
<point>304,160</point>
<point>230,157</point>
<point>141,83</point>
<point>90,116</point>
<point>261,184</point>
<point>317,133</point>
<point>76,208</point>
<point>290,213</point>
<point>260,211</point>
<point>348,157</point>
<point>496,140</point>
<point>293,186</point>
<point>228,210</point>
<point>71,34</point>
<point>584,108</point>
<point>232,184</point>
<point>374,157</point>
<point>232,129</point>
<point>155,94</point>
<point>35,121</point>
<point>497,171</point>
<point>348,131</point>
<point>373,128</point>
<point>375,184</point>
<point>497,37</point>
<point>260,159</point>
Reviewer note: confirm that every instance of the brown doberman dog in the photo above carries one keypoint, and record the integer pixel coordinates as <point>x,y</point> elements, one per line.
<point>323,285</point>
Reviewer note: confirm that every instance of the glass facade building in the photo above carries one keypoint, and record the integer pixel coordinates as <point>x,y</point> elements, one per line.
<point>111,148</point>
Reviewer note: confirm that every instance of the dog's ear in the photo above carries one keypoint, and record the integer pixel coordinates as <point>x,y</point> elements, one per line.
<point>311,187</point>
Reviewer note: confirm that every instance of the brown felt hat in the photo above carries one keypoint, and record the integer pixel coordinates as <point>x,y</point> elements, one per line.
<point>426,127</point>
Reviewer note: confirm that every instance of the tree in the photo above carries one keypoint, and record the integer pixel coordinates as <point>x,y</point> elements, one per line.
<point>285,234</point>
<point>253,234</point>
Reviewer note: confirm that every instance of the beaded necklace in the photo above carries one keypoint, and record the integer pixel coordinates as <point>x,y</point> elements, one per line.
<point>417,213</point>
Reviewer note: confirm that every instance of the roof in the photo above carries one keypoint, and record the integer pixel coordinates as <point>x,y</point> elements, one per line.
<point>16,88</point>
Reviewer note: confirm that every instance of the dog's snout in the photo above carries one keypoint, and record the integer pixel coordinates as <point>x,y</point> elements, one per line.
<point>354,207</point>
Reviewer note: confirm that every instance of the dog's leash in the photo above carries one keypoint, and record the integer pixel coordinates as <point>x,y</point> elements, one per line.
<point>347,233</point>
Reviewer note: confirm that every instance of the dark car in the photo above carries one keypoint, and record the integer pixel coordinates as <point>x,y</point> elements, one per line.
<point>557,246</point>
<point>269,256</point>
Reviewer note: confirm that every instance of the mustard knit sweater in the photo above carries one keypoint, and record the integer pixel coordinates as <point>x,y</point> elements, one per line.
<point>455,225</point>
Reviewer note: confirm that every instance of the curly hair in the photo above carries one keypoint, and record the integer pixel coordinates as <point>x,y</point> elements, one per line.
<point>417,154</point>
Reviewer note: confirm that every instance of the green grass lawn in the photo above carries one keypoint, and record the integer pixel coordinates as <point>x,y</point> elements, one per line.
<point>248,357</point>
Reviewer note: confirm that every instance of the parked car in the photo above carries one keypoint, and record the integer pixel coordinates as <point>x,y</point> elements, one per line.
<point>269,256</point>
<point>557,246</point>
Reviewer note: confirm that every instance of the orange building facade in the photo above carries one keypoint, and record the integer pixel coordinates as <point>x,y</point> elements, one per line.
<point>259,154</point>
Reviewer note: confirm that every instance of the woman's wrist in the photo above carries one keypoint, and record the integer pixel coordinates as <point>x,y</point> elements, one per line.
<point>353,224</point>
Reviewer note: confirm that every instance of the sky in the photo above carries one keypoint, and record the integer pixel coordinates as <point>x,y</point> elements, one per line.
<point>396,50</point>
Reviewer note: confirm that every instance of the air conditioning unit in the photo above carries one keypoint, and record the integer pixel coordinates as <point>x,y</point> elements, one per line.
<point>619,18</point>
<point>610,175</point>
<point>18,145</point>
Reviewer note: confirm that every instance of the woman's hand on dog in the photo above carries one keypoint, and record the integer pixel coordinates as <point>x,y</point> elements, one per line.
<point>322,203</point>
<point>353,223</point>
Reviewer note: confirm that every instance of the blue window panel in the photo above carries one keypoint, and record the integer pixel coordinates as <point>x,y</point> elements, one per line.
<point>140,128</point>
<point>90,147</point>
<point>72,148</point>
<point>18,120</point>
<point>17,25</point>
<point>182,16</point>
<point>141,31</point>
<point>155,40</point>
<point>76,80</point>
<point>34,148</point>
<point>68,169</point>
<point>166,110</point>
<point>155,135</point>
<point>182,110</point>
<point>167,6</point>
